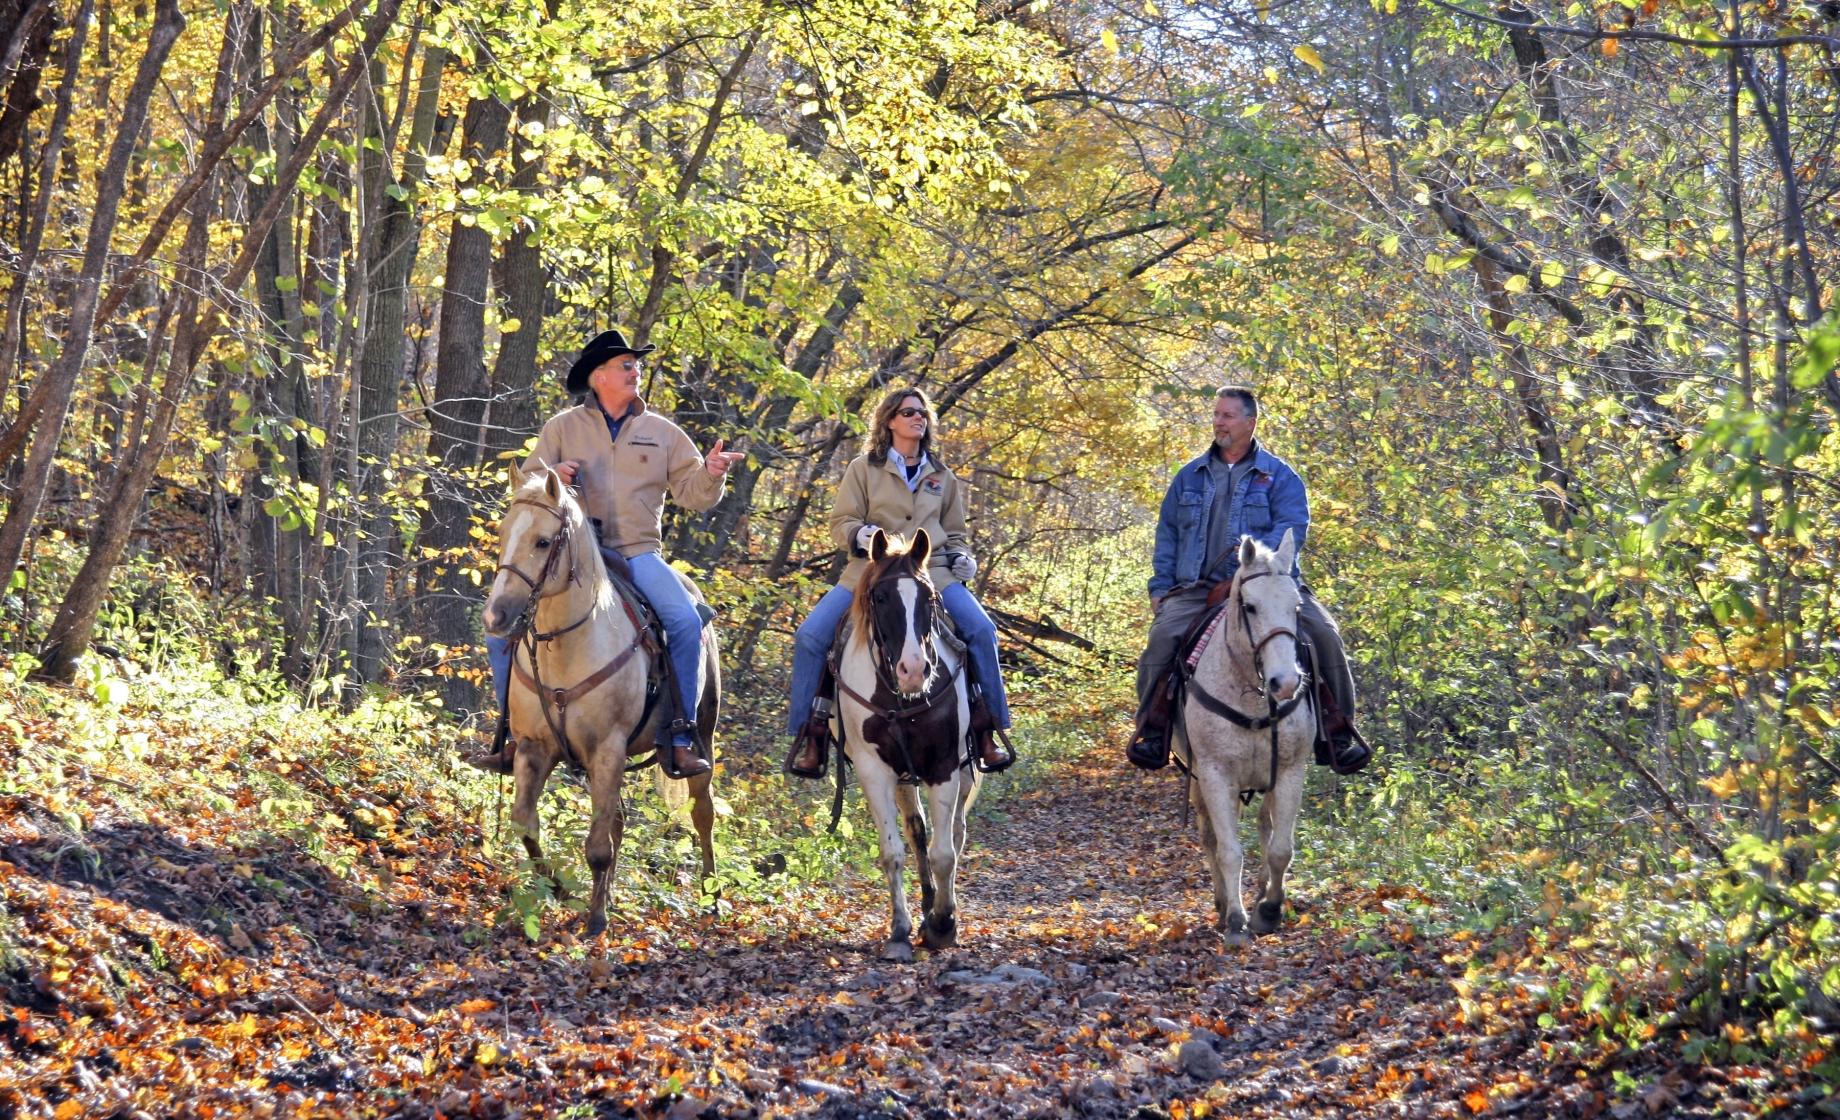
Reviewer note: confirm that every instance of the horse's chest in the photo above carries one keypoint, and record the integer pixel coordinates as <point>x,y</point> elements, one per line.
<point>928,744</point>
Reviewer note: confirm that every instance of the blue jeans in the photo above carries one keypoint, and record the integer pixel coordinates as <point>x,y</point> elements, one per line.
<point>812,644</point>
<point>683,631</point>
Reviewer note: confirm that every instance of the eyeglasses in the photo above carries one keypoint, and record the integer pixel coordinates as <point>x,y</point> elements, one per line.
<point>909,413</point>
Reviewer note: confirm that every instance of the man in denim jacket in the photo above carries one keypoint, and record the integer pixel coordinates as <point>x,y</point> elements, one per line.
<point>1237,488</point>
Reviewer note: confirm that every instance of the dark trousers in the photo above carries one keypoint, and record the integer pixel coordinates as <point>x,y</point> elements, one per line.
<point>1179,611</point>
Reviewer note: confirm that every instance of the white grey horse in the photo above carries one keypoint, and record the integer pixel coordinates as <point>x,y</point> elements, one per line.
<point>1245,727</point>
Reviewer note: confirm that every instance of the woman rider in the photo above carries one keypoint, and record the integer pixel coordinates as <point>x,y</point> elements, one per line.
<point>899,486</point>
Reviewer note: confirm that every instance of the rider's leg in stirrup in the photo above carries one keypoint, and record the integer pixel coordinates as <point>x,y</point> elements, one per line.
<point>811,648</point>
<point>683,629</point>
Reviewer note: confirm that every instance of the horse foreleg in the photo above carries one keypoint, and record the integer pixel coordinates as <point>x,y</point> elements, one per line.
<point>1212,853</point>
<point>940,930</point>
<point>878,785</point>
<point>1278,839</point>
<point>534,761</point>
<point>703,819</point>
<point>913,818</point>
<point>607,827</point>
<point>1229,857</point>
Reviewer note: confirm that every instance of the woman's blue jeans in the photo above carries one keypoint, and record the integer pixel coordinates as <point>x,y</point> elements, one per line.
<point>683,630</point>
<point>812,644</point>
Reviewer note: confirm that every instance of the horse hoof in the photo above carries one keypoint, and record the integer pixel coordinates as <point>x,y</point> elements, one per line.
<point>942,936</point>
<point>899,951</point>
<point>597,925</point>
<point>1267,917</point>
<point>1235,940</point>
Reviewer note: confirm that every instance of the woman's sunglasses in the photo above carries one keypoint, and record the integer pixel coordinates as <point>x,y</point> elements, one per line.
<point>909,413</point>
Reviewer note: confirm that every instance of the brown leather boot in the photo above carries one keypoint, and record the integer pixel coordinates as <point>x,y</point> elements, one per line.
<point>493,761</point>
<point>1149,745</point>
<point>811,747</point>
<point>687,763</point>
<point>686,760</point>
<point>994,756</point>
<point>1347,749</point>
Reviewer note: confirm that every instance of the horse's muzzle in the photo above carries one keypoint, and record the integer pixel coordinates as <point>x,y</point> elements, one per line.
<point>1283,686</point>
<point>500,614</point>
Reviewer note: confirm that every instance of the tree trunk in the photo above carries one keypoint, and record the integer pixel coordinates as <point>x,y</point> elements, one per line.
<point>460,389</point>
<point>390,257</point>
<point>61,379</point>
<point>12,334</point>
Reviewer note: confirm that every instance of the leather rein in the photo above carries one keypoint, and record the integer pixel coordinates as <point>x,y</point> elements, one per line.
<point>555,701</point>
<point>1274,714</point>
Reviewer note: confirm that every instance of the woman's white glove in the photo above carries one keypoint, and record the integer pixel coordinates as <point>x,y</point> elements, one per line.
<point>864,536</point>
<point>963,567</point>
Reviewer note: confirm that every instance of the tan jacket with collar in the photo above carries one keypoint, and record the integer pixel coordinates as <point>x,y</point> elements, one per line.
<point>872,495</point>
<point>622,485</point>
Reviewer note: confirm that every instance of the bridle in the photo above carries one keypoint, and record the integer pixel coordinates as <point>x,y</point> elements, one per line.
<point>1274,714</point>
<point>564,538</point>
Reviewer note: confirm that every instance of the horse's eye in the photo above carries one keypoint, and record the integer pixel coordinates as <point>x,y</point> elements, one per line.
<point>542,542</point>
<point>878,597</point>
<point>1251,609</point>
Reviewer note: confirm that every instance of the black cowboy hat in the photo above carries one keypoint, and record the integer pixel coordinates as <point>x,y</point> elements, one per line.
<point>607,344</point>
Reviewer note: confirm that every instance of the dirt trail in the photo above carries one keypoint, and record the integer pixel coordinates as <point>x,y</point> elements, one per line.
<point>202,976</point>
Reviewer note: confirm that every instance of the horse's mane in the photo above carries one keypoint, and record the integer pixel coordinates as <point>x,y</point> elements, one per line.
<point>900,551</point>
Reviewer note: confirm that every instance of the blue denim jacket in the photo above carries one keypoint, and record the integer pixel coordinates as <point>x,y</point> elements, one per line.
<point>1274,501</point>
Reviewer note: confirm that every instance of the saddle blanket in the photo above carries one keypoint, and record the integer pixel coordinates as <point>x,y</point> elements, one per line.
<point>1201,643</point>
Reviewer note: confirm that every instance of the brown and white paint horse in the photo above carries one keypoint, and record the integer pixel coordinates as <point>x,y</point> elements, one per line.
<point>905,711</point>
<point>1246,683</point>
<point>579,677</point>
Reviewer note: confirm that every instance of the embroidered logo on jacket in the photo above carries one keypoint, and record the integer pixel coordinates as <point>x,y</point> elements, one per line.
<point>933,485</point>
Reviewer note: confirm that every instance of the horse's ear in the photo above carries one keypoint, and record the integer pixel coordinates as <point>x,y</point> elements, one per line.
<point>552,485</point>
<point>920,549</point>
<point>517,476</point>
<point>878,546</point>
<point>1248,551</point>
<point>1287,553</point>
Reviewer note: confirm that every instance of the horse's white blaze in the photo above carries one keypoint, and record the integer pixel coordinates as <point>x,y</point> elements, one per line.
<point>910,667</point>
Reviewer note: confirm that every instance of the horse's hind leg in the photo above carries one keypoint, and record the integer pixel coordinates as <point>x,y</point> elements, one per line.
<point>703,819</point>
<point>878,786</point>
<point>1278,839</point>
<point>940,930</point>
<point>608,825</point>
<point>534,761</point>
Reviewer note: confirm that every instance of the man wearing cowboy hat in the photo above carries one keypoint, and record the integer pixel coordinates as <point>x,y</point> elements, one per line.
<point>622,458</point>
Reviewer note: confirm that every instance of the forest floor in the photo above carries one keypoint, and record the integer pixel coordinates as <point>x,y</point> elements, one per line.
<point>184,963</point>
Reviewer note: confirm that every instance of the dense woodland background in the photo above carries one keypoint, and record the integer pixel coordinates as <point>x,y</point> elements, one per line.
<point>1537,298</point>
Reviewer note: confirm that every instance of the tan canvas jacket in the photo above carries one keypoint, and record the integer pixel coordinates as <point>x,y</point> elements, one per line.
<point>623,485</point>
<point>872,495</point>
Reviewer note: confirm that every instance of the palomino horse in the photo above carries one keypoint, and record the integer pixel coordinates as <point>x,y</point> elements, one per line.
<point>1245,731</point>
<point>906,716</point>
<point>578,688</point>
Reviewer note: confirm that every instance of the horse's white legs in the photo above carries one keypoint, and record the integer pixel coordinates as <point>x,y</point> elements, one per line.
<point>1221,795</point>
<point>941,928</point>
<point>878,785</point>
<point>608,825</point>
<point>1278,838</point>
<point>969,782</point>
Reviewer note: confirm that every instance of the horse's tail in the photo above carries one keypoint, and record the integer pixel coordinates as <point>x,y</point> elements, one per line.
<point>675,792</point>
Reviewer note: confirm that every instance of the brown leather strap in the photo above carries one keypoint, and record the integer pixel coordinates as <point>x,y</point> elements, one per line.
<point>563,697</point>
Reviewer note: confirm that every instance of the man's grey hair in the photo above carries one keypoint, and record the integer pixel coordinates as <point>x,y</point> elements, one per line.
<point>1246,397</point>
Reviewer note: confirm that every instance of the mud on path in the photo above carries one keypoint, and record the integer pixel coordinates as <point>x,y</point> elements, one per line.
<point>1087,983</point>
